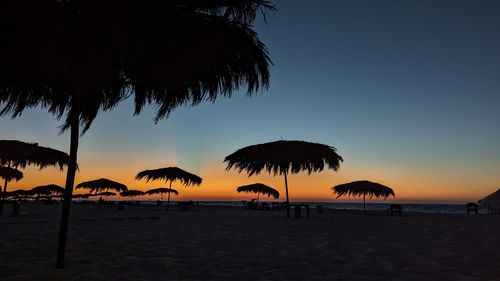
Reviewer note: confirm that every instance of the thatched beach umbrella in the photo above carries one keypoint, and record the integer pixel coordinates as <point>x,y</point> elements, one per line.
<point>492,201</point>
<point>259,188</point>
<point>161,191</point>
<point>284,157</point>
<point>106,193</point>
<point>78,58</point>
<point>19,194</point>
<point>101,185</point>
<point>47,190</point>
<point>170,174</point>
<point>132,193</point>
<point>14,153</point>
<point>10,174</point>
<point>358,188</point>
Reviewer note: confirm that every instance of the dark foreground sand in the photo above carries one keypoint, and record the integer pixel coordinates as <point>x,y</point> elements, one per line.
<point>224,243</point>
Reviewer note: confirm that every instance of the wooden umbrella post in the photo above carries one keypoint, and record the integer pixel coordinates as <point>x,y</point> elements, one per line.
<point>287,201</point>
<point>364,204</point>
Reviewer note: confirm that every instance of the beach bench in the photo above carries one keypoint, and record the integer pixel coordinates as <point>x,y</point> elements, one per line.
<point>395,209</point>
<point>471,207</point>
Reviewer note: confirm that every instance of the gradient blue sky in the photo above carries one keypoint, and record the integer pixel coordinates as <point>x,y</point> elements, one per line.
<point>407,91</point>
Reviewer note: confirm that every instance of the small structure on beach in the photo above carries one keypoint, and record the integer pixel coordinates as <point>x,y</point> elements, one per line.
<point>170,174</point>
<point>363,188</point>
<point>10,174</point>
<point>492,202</point>
<point>19,194</point>
<point>283,157</point>
<point>131,193</point>
<point>102,185</point>
<point>47,191</point>
<point>106,193</point>
<point>18,154</point>
<point>161,191</point>
<point>259,188</point>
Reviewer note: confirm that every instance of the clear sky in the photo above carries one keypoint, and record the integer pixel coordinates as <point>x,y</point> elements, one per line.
<point>407,91</point>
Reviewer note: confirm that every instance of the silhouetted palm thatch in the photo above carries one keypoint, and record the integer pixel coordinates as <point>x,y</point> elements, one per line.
<point>161,191</point>
<point>9,174</point>
<point>47,190</point>
<point>16,153</point>
<point>19,193</point>
<point>170,174</point>
<point>101,185</point>
<point>173,52</point>
<point>77,58</point>
<point>283,157</point>
<point>106,193</point>
<point>363,188</point>
<point>259,188</point>
<point>131,193</point>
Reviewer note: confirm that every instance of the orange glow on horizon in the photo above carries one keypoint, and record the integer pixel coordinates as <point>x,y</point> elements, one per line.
<point>219,184</point>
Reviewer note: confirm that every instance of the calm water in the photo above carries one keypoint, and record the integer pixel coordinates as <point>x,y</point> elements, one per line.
<point>419,208</point>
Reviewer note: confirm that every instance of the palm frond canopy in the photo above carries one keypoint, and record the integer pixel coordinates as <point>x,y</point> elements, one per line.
<point>165,53</point>
<point>101,185</point>
<point>80,196</point>
<point>492,199</point>
<point>259,188</point>
<point>10,174</point>
<point>50,189</point>
<point>170,174</point>
<point>131,193</point>
<point>363,188</point>
<point>19,193</point>
<point>284,156</point>
<point>106,193</point>
<point>161,190</point>
<point>20,154</point>
<point>92,194</point>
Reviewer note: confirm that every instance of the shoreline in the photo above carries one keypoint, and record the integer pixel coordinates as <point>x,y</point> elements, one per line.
<point>424,208</point>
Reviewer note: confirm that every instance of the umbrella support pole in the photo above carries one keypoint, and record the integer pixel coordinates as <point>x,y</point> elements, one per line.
<point>70,181</point>
<point>364,205</point>
<point>168,200</point>
<point>4,193</point>
<point>287,202</point>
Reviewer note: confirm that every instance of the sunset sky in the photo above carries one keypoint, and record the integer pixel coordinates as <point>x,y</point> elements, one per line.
<point>407,91</point>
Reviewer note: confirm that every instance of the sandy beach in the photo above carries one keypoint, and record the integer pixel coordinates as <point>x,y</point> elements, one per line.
<point>228,243</point>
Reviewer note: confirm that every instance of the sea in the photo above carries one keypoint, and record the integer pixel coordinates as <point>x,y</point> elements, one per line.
<point>416,208</point>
